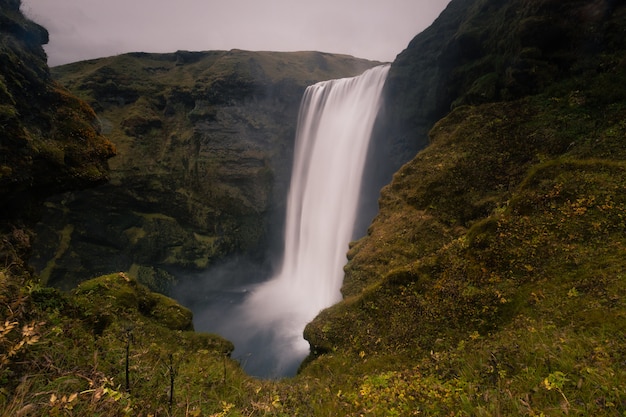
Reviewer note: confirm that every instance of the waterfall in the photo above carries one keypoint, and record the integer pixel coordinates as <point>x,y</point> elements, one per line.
<point>334,128</point>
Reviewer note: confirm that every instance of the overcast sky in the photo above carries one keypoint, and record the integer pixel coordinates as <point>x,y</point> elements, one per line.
<point>373,29</point>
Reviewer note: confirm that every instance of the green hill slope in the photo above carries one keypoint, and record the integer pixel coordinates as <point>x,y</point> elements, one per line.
<point>492,281</point>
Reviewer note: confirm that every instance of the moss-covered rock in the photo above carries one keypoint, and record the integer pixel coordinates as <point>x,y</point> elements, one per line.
<point>119,296</point>
<point>489,51</point>
<point>89,350</point>
<point>50,140</point>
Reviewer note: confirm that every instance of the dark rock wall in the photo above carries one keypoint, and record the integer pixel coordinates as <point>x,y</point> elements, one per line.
<point>50,141</point>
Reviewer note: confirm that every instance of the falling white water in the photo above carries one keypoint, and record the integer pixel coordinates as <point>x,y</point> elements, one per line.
<point>334,129</point>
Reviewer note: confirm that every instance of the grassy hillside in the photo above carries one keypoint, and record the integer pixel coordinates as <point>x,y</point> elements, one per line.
<point>501,290</point>
<point>492,281</point>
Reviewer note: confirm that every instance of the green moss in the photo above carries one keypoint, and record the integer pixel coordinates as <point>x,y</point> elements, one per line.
<point>5,171</point>
<point>65,237</point>
<point>51,152</point>
<point>122,296</point>
<point>135,234</point>
<point>7,112</point>
<point>171,314</point>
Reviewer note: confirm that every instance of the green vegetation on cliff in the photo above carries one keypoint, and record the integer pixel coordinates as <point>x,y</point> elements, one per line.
<point>49,140</point>
<point>86,352</point>
<point>487,282</point>
<point>204,144</point>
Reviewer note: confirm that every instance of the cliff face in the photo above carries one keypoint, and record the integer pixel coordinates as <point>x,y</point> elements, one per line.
<point>487,51</point>
<point>204,145</point>
<point>50,141</point>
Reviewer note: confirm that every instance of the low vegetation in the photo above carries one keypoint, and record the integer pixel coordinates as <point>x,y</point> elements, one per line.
<point>49,140</point>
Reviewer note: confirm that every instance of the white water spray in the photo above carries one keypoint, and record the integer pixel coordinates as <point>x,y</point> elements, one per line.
<point>334,129</point>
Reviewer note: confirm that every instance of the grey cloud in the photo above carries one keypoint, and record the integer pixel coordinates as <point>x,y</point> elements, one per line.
<point>374,29</point>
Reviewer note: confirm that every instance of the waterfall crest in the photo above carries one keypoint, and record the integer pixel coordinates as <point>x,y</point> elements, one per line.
<point>334,129</point>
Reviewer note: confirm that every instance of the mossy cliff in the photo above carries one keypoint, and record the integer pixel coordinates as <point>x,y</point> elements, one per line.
<point>491,282</point>
<point>204,145</point>
<point>50,141</point>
